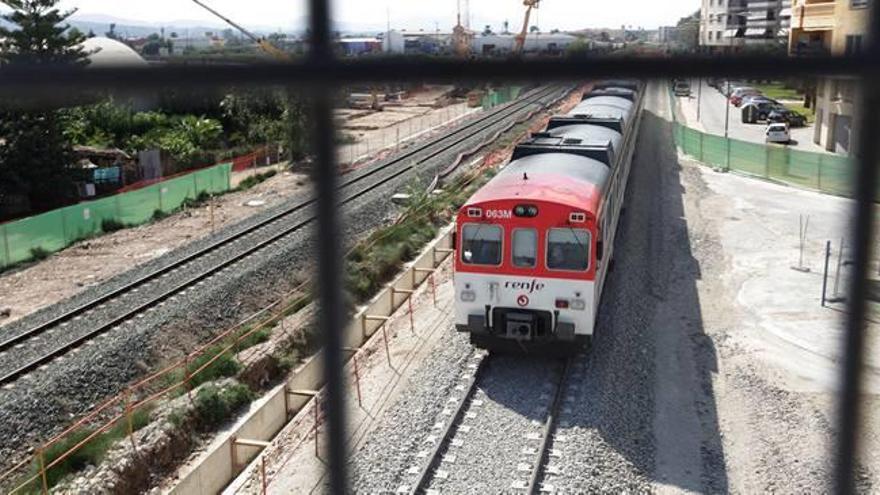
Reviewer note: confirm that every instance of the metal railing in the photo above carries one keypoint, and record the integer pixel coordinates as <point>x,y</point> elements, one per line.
<point>320,73</point>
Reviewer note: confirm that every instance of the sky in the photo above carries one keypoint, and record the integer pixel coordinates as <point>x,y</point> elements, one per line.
<point>287,14</point>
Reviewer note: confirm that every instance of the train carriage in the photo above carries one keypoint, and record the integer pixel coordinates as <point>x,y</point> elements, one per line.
<point>533,245</point>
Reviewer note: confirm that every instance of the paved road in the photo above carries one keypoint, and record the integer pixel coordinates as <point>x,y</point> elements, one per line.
<point>712,114</point>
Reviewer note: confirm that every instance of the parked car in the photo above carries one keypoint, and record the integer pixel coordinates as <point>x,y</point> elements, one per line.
<point>737,95</point>
<point>777,132</point>
<point>787,116</point>
<point>681,88</point>
<point>757,98</point>
<point>754,111</point>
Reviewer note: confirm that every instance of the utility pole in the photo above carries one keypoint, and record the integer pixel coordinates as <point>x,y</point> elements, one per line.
<point>727,111</point>
<point>699,96</point>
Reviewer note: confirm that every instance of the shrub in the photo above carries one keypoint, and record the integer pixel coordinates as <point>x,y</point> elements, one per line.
<point>39,253</point>
<point>255,179</point>
<point>258,337</point>
<point>89,454</point>
<point>224,366</point>
<point>159,214</point>
<point>111,225</point>
<point>214,405</point>
<point>199,200</point>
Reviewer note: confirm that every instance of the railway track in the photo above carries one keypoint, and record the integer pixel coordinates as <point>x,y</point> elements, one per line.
<point>31,348</point>
<point>441,461</point>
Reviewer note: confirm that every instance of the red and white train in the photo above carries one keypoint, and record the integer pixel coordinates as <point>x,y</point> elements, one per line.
<point>533,245</point>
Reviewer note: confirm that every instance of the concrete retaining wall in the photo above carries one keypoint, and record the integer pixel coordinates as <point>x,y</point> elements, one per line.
<point>225,459</point>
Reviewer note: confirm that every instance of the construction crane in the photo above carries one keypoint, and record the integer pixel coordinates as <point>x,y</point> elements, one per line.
<point>264,45</point>
<point>521,37</point>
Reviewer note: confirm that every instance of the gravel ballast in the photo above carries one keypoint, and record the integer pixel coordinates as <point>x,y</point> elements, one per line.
<point>44,401</point>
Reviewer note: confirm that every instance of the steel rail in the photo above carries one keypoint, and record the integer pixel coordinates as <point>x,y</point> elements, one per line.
<point>449,429</point>
<point>549,429</point>
<point>68,315</point>
<point>481,125</point>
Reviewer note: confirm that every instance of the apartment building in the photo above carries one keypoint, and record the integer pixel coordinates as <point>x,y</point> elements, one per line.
<point>831,27</point>
<point>731,25</point>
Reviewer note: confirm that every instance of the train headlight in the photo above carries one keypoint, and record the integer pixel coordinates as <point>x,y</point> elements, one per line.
<point>578,304</point>
<point>468,296</point>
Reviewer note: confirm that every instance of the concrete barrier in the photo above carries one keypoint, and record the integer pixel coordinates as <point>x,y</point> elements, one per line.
<point>236,446</point>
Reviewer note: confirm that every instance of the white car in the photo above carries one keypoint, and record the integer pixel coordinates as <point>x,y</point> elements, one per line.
<point>777,132</point>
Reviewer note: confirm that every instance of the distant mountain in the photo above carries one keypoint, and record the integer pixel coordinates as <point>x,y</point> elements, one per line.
<point>139,28</point>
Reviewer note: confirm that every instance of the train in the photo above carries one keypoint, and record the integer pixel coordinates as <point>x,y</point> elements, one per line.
<point>534,245</point>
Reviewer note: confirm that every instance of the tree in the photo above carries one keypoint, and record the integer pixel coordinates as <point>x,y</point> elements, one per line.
<point>687,31</point>
<point>112,33</point>
<point>534,29</point>
<point>35,155</point>
<point>487,30</point>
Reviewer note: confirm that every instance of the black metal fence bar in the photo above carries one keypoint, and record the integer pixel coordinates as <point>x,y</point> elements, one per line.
<point>322,73</point>
<point>849,420</point>
<point>48,81</point>
<point>329,251</point>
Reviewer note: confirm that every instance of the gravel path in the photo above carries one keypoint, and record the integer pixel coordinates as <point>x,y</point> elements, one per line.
<point>41,403</point>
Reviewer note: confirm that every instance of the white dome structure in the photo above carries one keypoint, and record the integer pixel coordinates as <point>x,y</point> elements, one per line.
<point>106,52</point>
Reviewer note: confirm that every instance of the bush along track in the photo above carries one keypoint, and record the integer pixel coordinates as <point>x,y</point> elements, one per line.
<point>213,387</point>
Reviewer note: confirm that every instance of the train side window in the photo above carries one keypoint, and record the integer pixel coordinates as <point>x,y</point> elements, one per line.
<point>525,248</point>
<point>568,249</point>
<point>481,244</point>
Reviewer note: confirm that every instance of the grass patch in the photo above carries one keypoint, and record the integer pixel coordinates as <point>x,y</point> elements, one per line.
<point>38,253</point>
<point>112,225</point>
<point>255,179</point>
<point>376,261</point>
<point>779,91</point>
<point>90,454</point>
<point>258,337</point>
<point>214,405</point>
<point>223,367</point>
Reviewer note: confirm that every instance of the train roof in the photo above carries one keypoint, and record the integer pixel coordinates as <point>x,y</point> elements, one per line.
<point>613,121</point>
<point>593,101</point>
<point>588,140</point>
<point>588,134</point>
<point>560,178</point>
<point>629,94</point>
<point>618,83</point>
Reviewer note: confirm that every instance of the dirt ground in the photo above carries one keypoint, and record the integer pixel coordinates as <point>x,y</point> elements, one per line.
<point>419,113</point>
<point>92,261</point>
<point>88,263</point>
<point>763,418</point>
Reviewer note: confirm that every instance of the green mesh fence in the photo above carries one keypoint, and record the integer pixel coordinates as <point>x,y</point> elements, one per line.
<point>824,172</point>
<point>27,238</point>
<point>500,96</point>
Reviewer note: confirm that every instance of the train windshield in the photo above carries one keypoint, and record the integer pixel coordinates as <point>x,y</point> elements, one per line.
<point>481,244</point>
<point>568,249</point>
<point>525,248</point>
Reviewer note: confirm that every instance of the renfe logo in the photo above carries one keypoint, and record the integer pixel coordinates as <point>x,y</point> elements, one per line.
<point>531,287</point>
